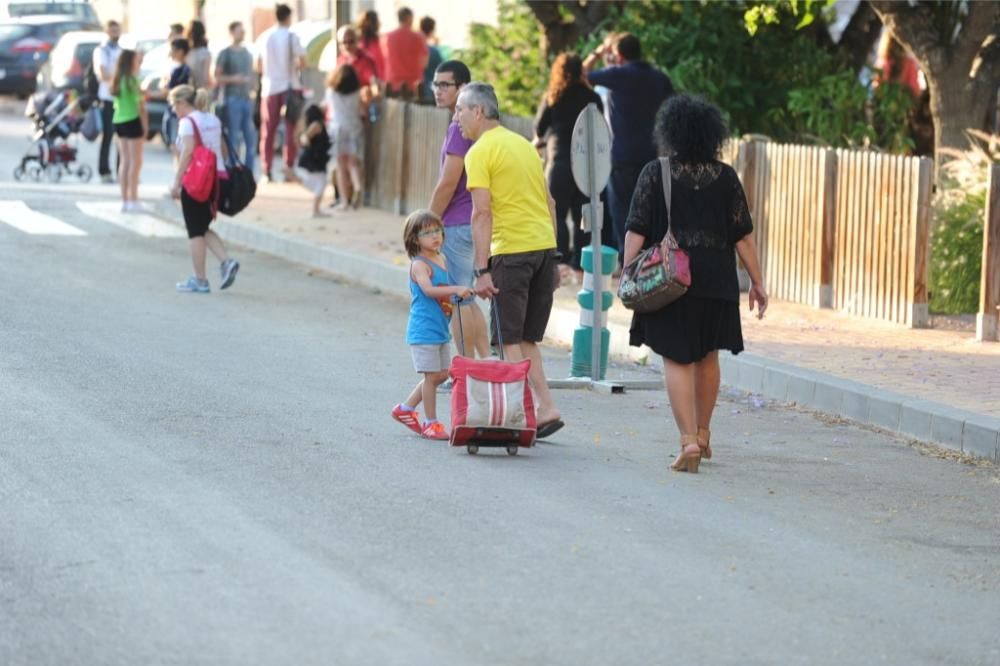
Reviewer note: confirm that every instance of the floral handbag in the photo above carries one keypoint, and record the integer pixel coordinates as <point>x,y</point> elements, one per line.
<point>660,274</point>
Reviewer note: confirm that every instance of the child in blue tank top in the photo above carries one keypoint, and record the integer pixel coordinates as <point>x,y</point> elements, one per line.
<point>431,303</point>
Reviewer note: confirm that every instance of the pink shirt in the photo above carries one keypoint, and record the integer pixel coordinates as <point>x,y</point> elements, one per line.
<point>373,49</point>
<point>405,58</point>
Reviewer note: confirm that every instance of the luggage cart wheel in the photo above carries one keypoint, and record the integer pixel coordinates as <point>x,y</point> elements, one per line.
<point>473,449</point>
<point>512,450</point>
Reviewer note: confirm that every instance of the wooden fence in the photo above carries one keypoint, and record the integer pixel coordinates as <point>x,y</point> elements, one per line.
<point>882,236</point>
<point>404,153</point>
<point>843,229</point>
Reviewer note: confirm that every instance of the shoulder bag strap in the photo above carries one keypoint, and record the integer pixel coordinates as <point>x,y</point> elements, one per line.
<point>197,132</point>
<point>232,158</point>
<point>668,240</point>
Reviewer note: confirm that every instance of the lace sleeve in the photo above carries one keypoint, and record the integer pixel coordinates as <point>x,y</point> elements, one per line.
<point>740,221</point>
<point>641,215</point>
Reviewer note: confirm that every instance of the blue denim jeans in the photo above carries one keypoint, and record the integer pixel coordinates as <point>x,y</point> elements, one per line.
<point>239,125</point>
<point>458,254</point>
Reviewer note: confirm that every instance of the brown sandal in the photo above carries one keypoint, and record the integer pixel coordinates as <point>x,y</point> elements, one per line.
<point>705,442</point>
<point>690,456</point>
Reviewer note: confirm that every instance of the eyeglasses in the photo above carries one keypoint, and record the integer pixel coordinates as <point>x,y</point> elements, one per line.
<point>443,84</point>
<point>349,42</point>
<point>430,232</point>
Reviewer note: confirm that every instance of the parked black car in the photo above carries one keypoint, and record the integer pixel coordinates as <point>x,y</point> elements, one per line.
<point>25,45</point>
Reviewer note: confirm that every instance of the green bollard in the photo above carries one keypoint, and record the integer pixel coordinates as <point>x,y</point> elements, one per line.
<point>583,336</point>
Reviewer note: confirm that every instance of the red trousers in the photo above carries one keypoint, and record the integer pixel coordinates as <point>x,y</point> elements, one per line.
<point>270,116</point>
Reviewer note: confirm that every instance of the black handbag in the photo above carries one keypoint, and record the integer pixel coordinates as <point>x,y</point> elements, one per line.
<point>238,190</point>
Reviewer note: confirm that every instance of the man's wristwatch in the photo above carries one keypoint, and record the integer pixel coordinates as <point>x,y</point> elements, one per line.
<point>480,272</point>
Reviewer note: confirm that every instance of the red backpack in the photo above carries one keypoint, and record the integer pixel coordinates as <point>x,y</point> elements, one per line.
<point>201,176</point>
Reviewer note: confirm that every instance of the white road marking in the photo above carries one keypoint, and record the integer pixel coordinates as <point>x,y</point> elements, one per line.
<point>17,214</point>
<point>139,223</point>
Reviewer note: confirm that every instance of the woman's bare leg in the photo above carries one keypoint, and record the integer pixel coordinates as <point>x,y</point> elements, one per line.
<point>198,256</point>
<point>136,150</point>
<point>707,377</point>
<point>679,379</point>
<point>215,245</point>
<point>124,165</point>
<point>343,180</point>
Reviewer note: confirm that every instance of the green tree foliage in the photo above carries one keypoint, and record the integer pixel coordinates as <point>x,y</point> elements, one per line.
<point>957,255</point>
<point>510,58</point>
<point>957,235</point>
<point>778,82</point>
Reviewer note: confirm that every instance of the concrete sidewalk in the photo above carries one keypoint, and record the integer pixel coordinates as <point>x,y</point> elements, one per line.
<point>936,385</point>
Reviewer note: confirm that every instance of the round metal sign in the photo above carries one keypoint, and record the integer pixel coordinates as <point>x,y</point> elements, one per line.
<point>591,151</point>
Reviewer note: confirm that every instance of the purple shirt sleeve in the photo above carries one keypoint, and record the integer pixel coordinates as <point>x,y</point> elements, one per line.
<point>455,143</point>
<point>459,209</point>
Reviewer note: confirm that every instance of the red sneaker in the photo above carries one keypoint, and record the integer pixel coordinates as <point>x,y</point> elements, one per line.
<point>411,419</point>
<point>435,431</point>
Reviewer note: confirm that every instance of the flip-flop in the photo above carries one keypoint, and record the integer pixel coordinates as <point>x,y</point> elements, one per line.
<point>548,429</point>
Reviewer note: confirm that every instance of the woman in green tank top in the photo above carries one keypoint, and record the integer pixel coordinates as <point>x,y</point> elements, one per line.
<point>131,124</point>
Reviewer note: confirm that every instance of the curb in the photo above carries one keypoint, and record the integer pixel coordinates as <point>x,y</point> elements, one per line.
<point>972,434</point>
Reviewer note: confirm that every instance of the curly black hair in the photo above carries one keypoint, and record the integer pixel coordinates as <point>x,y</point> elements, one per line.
<point>690,129</point>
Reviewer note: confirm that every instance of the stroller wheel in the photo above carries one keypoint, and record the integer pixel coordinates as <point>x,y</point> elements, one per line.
<point>36,172</point>
<point>53,172</point>
<point>85,173</point>
<point>18,172</point>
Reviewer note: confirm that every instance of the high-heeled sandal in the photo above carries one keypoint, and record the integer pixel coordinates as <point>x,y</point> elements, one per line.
<point>705,442</point>
<point>690,456</point>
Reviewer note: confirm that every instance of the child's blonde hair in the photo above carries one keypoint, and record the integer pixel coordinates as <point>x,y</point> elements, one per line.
<point>417,221</point>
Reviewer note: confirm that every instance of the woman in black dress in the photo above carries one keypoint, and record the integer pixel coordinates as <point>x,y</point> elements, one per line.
<point>567,95</point>
<point>710,219</point>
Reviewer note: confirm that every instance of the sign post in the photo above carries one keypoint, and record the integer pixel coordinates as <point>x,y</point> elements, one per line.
<point>590,161</point>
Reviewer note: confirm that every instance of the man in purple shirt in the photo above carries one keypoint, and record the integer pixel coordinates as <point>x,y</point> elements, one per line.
<point>453,203</point>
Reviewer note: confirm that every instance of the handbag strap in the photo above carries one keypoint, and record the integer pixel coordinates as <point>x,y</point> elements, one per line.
<point>232,157</point>
<point>197,132</point>
<point>666,180</point>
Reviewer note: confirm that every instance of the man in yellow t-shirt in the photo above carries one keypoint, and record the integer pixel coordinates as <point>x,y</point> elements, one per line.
<point>513,236</point>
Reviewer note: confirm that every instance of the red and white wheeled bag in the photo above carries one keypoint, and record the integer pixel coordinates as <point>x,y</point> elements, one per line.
<point>491,404</point>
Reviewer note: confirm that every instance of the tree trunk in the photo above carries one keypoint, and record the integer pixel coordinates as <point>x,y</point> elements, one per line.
<point>956,106</point>
<point>962,74</point>
<point>562,35</point>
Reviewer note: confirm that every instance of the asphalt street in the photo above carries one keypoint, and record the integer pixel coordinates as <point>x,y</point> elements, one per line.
<point>191,479</point>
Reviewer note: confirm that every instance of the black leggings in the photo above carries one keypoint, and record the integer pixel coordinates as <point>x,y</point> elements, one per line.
<point>569,201</point>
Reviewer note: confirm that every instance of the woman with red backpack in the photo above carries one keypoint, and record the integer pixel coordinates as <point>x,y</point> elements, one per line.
<point>199,168</point>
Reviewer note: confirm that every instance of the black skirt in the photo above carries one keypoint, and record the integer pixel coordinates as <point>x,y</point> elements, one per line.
<point>689,329</point>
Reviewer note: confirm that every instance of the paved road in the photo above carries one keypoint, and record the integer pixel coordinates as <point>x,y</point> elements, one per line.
<point>214,480</point>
